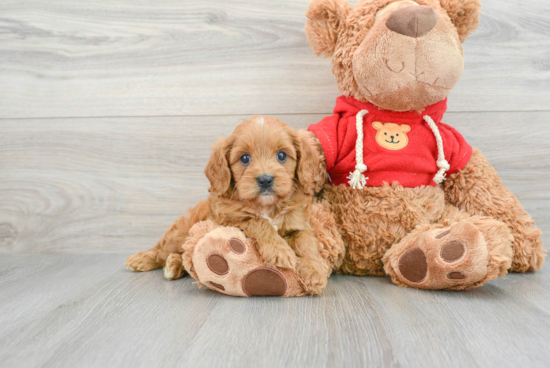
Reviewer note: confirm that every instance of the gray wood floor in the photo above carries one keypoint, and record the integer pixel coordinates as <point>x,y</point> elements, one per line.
<point>89,311</point>
<point>107,112</point>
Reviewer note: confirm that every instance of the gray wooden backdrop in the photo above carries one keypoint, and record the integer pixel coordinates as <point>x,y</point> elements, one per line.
<point>108,108</point>
<point>107,112</point>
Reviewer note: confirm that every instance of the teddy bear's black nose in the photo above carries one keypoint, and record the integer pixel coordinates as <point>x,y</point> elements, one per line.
<point>413,21</point>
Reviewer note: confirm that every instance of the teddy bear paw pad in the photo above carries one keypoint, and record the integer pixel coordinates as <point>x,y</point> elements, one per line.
<point>217,264</point>
<point>450,258</point>
<point>452,251</point>
<point>226,261</point>
<point>413,265</point>
<point>264,281</point>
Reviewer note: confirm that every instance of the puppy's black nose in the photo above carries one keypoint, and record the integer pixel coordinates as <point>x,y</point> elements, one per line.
<point>265,181</point>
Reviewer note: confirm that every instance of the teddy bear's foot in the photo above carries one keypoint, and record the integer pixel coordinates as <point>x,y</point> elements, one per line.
<point>463,255</point>
<point>226,261</point>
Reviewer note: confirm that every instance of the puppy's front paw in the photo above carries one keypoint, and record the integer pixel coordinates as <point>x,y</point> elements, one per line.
<point>314,276</point>
<point>173,269</point>
<point>279,255</point>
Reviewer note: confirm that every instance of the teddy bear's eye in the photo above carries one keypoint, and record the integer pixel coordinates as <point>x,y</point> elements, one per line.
<point>385,133</point>
<point>397,135</point>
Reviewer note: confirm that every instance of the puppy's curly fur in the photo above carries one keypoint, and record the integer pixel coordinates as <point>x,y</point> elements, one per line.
<point>276,215</point>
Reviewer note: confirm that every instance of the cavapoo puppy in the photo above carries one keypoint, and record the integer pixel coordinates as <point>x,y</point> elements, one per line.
<point>263,179</point>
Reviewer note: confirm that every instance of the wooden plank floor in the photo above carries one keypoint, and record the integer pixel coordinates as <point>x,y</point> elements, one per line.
<point>107,112</point>
<point>89,311</point>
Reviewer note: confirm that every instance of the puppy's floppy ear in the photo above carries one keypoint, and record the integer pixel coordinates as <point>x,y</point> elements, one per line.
<point>217,170</point>
<point>464,14</point>
<point>326,20</point>
<point>311,168</point>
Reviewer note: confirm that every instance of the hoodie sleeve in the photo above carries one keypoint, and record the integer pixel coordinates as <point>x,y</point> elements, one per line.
<point>460,150</point>
<point>327,132</point>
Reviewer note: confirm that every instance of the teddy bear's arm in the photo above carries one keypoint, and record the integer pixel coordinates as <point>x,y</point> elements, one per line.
<point>478,190</point>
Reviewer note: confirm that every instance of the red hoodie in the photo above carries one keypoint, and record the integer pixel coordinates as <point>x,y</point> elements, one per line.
<point>397,146</point>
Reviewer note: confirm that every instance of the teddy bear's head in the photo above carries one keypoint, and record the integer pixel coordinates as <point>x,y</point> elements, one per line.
<point>399,55</point>
<point>391,136</point>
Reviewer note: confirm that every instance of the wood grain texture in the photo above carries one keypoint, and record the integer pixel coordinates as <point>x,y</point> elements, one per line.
<point>87,310</point>
<point>107,112</point>
<point>68,58</point>
<point>114,185</point>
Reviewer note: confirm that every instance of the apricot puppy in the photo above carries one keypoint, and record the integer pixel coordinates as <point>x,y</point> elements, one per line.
<point>262,178</point>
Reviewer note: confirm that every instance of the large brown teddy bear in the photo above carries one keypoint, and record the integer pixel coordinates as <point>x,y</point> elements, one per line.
<point>418,203</point>
<point>410,198</point>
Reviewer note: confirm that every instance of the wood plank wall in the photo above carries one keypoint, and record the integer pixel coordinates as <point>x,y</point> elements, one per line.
<point>108,108</point>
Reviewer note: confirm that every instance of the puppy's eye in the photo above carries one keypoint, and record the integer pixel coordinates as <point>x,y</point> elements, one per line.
<point>245,159</point>
<point>281,156</point>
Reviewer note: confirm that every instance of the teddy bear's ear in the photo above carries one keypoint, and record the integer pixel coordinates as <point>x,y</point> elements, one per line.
<point>464,14</point>
<point>377,125</point>
<point>326,19</point>
<point>405,128</point>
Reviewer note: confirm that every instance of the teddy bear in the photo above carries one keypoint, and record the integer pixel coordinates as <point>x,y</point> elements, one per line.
<point>409,196</point>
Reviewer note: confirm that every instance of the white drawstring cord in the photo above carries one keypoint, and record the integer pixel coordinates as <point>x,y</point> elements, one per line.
<point>356,178</point>
<point>442,164</point>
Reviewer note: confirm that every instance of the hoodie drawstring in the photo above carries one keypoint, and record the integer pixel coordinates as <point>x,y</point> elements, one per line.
<point>442,164</point>
<point>356,178</point>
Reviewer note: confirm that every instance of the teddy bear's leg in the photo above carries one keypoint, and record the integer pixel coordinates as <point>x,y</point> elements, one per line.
<point>225,260</point>
<point>478,190</point>
<point>460,252</point>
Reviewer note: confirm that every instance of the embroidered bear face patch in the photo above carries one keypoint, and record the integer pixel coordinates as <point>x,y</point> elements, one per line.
<point>392,136</point>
